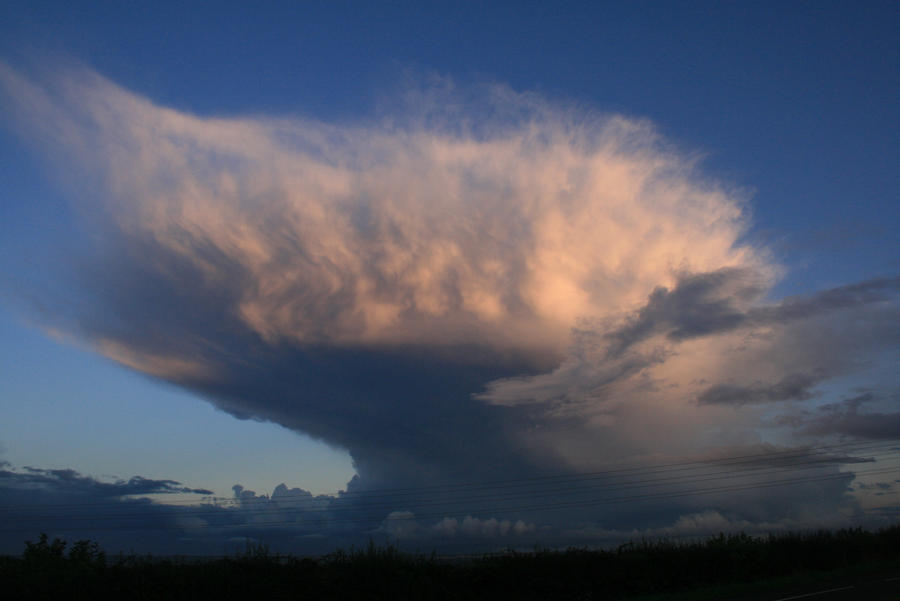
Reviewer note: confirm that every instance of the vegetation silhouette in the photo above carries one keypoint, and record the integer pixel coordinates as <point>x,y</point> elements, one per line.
<point>640,569</point>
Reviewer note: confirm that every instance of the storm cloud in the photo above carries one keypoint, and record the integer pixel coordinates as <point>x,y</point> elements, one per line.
<point>475,289</point>
<point>850,417</point>
<point>72,482</point>
<point>792,387</point>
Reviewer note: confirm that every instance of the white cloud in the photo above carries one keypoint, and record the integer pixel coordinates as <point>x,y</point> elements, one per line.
<point>404,525</point>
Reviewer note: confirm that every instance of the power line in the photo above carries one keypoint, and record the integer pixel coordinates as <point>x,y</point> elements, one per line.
<point>494,510</point>
<point>266,504</point>
<point>392,494</point>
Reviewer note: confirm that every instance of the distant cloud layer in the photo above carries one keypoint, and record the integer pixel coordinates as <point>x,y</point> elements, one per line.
<point>477,287</point>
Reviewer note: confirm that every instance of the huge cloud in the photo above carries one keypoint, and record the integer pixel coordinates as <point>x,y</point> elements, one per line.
<point>472,287</point>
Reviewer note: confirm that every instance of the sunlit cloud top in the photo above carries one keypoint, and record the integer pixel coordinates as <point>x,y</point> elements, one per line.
<point>436,228</point>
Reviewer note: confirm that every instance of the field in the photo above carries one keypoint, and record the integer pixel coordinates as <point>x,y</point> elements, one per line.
<point>725,566</point>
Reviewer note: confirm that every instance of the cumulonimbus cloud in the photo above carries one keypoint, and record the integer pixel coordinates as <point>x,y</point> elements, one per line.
<point>403,235</point>
<point>483,288</point>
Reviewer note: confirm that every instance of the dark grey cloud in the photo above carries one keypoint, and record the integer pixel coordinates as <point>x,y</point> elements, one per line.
<point>766,455</point>
<point>879,486</point>
<point>794,387</point>
<point>722,301</point>
<point>842,297</point>
<point>699,305</point>
<point>848,419</point>
<point>72,482</point>
<point>70,505</point>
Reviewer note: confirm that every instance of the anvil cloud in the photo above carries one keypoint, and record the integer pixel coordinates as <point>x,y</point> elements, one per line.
<point>471,288</point>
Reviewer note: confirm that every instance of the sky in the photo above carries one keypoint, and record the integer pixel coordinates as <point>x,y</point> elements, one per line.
<point>455,276</point>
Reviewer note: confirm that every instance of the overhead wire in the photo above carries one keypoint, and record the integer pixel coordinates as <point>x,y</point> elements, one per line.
<point>393,493</point>
<point>265,502</point>
<point>491,510</point>
<point>212,511</point>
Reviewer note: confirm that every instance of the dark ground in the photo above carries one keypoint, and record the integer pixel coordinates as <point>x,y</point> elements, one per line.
<point>812,565</point>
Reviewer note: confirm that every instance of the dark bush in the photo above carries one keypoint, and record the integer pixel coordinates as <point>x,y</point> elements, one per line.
<point>46,571</point>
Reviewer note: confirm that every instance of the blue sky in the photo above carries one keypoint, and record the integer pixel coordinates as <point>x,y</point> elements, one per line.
<point>769,133</point>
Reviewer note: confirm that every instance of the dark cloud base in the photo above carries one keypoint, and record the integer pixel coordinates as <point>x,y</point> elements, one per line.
<point>751,489</point>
